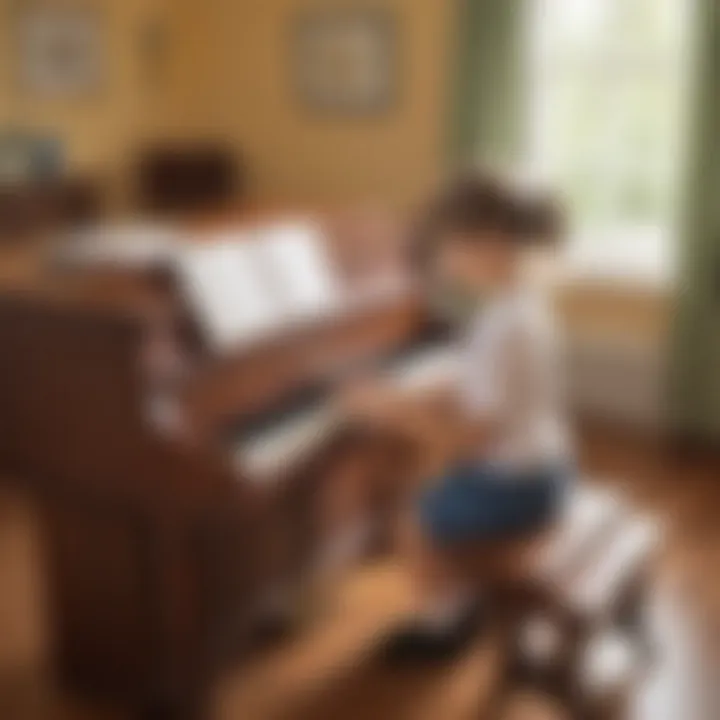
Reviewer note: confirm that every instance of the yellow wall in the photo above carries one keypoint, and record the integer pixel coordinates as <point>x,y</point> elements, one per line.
<point>228,74</point>
<point>100,131</point>
<point>293,154</point>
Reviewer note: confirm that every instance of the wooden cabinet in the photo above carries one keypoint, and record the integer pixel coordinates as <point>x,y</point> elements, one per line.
<point>31,209</point>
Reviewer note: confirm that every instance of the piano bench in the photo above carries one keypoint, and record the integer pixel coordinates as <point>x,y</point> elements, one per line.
<point>575,627</point>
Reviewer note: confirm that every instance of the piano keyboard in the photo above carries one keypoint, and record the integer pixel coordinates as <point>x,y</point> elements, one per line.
<point>424,368</point>
<point>287,442</point>
<point>291,436</point>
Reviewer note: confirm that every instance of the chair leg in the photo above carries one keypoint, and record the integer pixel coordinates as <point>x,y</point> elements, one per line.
<point>496,705</point>
<point>555,675</point>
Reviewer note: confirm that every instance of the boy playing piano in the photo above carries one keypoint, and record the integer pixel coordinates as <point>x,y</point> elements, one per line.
<point>495,440</point>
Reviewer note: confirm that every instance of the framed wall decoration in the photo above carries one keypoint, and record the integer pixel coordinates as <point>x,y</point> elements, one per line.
<point>27,156</point>
<point>345,59</point>
<point>60,49</point>
<point>154,48</point>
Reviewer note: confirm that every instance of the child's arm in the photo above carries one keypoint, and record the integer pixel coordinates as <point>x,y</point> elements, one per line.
<point>431,414</point>
<point>466,435</point>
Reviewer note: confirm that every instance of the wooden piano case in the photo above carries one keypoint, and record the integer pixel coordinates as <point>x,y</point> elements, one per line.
<point>147,541</point>
<point>158,551</point>
<point>160,548</point>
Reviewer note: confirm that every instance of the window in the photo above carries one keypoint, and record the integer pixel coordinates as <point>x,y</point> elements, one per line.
<point>606,123</point>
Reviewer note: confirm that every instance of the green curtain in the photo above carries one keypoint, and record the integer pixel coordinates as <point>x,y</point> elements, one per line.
<point>488,120</point>
<point>695,377</point>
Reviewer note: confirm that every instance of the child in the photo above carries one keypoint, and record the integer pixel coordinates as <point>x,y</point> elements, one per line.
<point>499,426</point>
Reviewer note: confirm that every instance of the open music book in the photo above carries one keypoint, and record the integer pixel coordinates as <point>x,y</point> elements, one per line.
<point>299,268</point>
<point>249,284</point>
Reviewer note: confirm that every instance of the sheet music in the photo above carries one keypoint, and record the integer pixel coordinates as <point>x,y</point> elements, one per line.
<point>227,285</point>
<point>300,268</point>
<point>260,280</point>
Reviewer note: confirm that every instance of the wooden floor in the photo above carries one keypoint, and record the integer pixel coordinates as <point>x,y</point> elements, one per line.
<point>328,670</point>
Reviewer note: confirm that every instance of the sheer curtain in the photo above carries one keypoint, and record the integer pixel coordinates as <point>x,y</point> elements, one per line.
<point>608,91</point>
<point>695,388</point>
<point>489,93</point>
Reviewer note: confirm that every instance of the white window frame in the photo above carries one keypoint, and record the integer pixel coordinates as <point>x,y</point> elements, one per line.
<point>632,253</point>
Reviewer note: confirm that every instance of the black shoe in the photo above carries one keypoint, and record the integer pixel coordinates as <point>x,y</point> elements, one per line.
<point>415,641</point>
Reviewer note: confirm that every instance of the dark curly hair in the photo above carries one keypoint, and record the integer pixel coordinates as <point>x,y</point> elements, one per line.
<point>477,202</point>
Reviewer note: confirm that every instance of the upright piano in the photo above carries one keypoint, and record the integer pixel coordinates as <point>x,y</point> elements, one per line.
<point>174,422</point>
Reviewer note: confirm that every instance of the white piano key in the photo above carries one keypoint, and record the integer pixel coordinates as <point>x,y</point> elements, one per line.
<point>285,443</point>
<point>426,368</point>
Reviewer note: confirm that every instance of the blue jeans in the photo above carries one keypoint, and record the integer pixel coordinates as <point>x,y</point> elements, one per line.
<point>483,501</point>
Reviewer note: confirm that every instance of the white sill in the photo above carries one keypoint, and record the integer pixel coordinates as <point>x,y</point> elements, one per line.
<point>628,261</point>
<point>594,274</point>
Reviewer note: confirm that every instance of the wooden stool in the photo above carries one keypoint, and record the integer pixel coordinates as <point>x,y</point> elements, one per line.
<point>574,626</point>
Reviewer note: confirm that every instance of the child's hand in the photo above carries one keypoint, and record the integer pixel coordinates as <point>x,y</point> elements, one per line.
<point>368,400</point>
<point>385,407</point>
